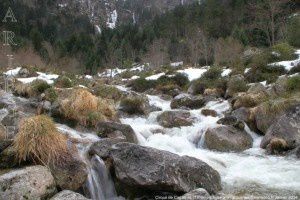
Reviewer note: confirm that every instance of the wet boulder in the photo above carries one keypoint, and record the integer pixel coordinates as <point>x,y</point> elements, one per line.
<point>286,128</point>
<point>266,113</point>
<point>34,182</point>
<point>71,174</point>
<point>136,105</point>
<point>102,147</point>
<point>231,121</point>
<point>116,130</point>
<point>187,101</point>
<point>140,169</point>
<point>171,119</point>
<point>209,112</point>
<point>68,195</point>
<point>227,139</point>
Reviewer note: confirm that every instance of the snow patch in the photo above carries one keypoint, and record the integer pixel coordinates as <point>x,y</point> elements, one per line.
<point>226,72</point>
<point>12,72</point>
<point>155,76</point>
<point>177,64</point>
<point>49,78</point>
<point>288,65</point>
<point>194,73</point>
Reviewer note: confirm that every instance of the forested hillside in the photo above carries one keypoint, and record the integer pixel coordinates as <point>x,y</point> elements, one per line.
<point>197,33</point>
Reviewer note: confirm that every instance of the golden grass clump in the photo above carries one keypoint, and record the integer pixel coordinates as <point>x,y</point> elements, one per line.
<point>38,140</point>
<point>86,108</point>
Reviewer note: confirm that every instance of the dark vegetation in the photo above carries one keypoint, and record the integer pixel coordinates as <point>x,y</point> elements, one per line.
<point>180,34</point>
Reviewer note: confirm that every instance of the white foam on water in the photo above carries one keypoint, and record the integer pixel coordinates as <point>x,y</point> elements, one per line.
<point>237,170</point>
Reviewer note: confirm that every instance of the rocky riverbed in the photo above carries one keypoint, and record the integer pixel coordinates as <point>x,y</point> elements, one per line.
<point>150,144</point>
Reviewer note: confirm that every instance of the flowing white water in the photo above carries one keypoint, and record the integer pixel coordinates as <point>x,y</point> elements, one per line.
<point>99,184</point>
<point>249,172</point>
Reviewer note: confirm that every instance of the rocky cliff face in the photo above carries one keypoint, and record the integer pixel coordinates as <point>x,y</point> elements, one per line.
<point>110,13</point>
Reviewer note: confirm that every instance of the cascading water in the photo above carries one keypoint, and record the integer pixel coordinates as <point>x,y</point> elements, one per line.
<point>99,184</point>
<point>251,172</point>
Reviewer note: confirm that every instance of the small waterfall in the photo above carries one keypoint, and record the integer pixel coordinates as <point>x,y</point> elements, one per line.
<point>100,183</point>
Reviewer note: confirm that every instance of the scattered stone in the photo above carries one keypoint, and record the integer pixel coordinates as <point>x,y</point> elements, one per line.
<point>34,182</point>
<point>227,139</point>
<point>285,130</point>
<point>170,119</point>
<point>68,195</point>
<point>187,101</point>
<point>232,121</point>
<point>208,112</point>
<point>277,146</point>
<point>108,129</point>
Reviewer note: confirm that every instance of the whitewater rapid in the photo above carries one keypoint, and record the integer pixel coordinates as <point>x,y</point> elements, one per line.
<point>249,172</point>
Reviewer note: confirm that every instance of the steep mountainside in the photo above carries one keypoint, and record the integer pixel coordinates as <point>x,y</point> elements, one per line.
<point>109,13</point>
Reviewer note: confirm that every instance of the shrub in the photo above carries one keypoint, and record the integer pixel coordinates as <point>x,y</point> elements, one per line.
<point>228,51</point>
<point>293,83</point>
<point>81,104</point>
<point>127,74</point>
<point>132,105</point>
<point>32,89</point>
<point>181,79</point>
<point>141,84</point>
<point>210,79</point>
<point>237,85</point>
<point>286,52</point>
<point>264,73</point>
<point>38,140</point>
<point>63,82</point>
<point>51,94</point>
<point>107,91</point>
<point>39,86</point>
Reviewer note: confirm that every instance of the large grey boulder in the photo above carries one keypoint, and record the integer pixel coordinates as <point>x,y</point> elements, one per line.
<point>68,195</point>
<point>286,127</point>
<point>34,182</point>
<point>170,119</point>
<point>112,129</point>
<point>227,139</point>
<point>139,169</point>
<point>187,101</point>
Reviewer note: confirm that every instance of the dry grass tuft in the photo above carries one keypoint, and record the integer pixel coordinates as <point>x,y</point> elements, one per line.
<point>38,140</point>
<point>86,108</point>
